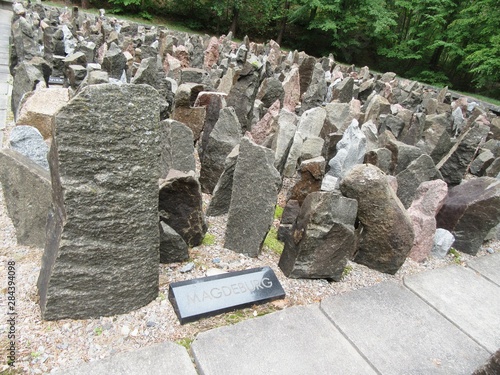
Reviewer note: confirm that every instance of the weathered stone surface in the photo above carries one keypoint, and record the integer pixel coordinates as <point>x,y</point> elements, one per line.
<point>180,206</point>
<point>102,250</point>
<point>28,141</point>
<point>291,86</point>
<point>27,193</point>
<point>436,141</point>
<point>213,103</point>
<point>26,79</point>
<point>420,170</point>
<point>322,237</point>
<point>114,61</point>
<point>211,53</point>
<point>177,150</point>
<point>312,147</point>
<point>266,126</point>
<point>243,93</point>
<point>470,211</point>
<point>380,157</point>
<point>491,367</point>
<point>221,197</point>
<point>481,163</point>
<point>494,169</point>
<point>310,125</point>
<point>287,126</point>
<point>350,151</point>
<point>387,235</point>
<point>402,154</point>
<point>316,91</point>
<point>454,165</point>
<point>338,117</point>
<point>370,131</point>
<point>377,106</point>
<point>39,107</point>
<point>255,190</point>
<point>271,90</point>
<point>172,246</point>
<point>430,197</point>
<point>443,240</point>
<point>225,135</point>
<point>311,174</point>
<point>193,118</point>
<point>306,71</point>
<point>343,91</point>
<point>290,213</point>
<point>195,75</point>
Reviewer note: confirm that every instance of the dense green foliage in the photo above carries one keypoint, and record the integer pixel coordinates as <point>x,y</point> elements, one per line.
<point>443,42</point>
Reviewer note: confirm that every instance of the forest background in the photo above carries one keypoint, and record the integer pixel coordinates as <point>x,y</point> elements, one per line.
<point>453,43</point>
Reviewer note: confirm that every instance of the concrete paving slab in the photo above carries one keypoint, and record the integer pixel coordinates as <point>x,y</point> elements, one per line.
<point>3,119</point>
<point>465,298</point>
<point>3,102</point>
<point>4,88</point>
<point>298,340</point>
<point>398,333</point>
<point>488,266</point>
<point>163,359</point>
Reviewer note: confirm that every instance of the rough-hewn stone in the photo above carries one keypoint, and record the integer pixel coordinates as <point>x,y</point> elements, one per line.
<point>177,150</point>
<point>172,246</point>
<point>102,250</point>
<point>387,235</point>
<point>255,191</point>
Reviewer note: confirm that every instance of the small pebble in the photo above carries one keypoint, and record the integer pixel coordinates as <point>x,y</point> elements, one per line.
<point>490,250</point>
<point>216,260</point>
<point>187,268</point>
<point>150,323</point>
<point>125,330</point>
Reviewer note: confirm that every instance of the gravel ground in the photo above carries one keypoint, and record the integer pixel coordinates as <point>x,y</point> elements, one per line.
<point>44,346</point>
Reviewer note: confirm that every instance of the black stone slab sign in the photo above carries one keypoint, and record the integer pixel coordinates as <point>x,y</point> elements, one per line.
<point>212,295</point>
<point>56,80</point>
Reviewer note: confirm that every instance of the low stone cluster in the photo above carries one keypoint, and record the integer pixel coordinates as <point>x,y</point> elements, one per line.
<point>378,162</point>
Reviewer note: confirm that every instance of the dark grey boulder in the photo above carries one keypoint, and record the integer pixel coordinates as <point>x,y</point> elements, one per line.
<point>381,158</point>
<point>26,79</point>
<point>271,90</point>
<point>420,170</point>
<point>316,92</point>
<point>172,246</point>
<point>290,213</point>
<point>102,250</point>
<point>180,206</point>
<point>470,211</point>
<point>114,61</point>
<point>225,135</point>
<point>213,103</point>
<point>344,90</point>
<point>322,237</point>
<point>402,154</point>
<point>481,163</point>
<point>436,140</point>
<point>28,196</point>
<point>387,235</point>
<point>255,191</point>
<point>454,165</point>
<point>311,175</point>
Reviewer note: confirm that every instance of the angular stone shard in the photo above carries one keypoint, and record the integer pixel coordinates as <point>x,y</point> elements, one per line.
<point>26,78</point>
<point>102,251</point>
<point>322,238</point>
<point>27,194</point>
<point>311,174</point>
<point>225,135</point>
<point>470,211</point>
<point>180,206</point>
<point>387,235</point>
<point>454,165</point>
<point>290,213</point>
<point>221,198</point>
<point>420,170</point>
<point>177,148</point>
<point>255,191</point>
<point>430,197</point>
<point>172,246</point>
<point>443,240</point>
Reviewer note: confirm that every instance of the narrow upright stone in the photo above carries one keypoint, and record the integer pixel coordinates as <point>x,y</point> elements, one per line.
<point>255,191</point>
<point>102,251</point>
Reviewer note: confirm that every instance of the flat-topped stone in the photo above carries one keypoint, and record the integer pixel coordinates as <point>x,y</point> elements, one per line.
<point>487,266</point>
<point>163,359</point>
<point>398,333</point>
<point>465,298</point>
<point>298,340</point>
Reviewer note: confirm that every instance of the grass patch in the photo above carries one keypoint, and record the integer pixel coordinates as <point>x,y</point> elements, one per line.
<point>98,331</point>
<point>278,212</point>
<point>235,317</point>
<point>457,258</point>
<point>272,242</point>
<point>208,240</point>
<point>347,270</point>
<point>185,342</point>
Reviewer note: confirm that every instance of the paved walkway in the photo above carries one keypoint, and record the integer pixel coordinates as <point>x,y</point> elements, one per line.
<point>445,321</point>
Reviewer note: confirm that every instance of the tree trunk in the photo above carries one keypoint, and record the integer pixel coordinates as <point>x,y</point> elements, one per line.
<point>234,23</point>
<point>85,4</point>
<point>283,23</point>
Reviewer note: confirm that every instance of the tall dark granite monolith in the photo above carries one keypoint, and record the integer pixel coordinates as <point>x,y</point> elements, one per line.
<point>102,251</point>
